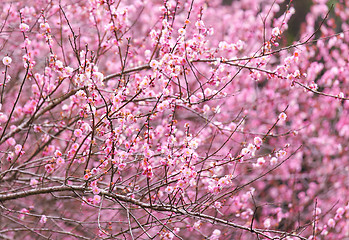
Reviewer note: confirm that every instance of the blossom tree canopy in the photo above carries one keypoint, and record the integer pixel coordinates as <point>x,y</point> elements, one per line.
<point>173,119</point>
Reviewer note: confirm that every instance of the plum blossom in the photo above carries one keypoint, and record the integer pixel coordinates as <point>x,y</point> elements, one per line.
<point>257,141</point>
<point>281,154</point>
<point>267,223</point>
<point>23,211</point>
<point>260,161</point>
<point>154,64</point>
<point>49,168</point>
<point>181,31</point>
<point>218,205</point>
<point>96,190</point>
<point>273,161</point>
<point>18,149</point>
<point>33,182</point>
<point>197,225</point>
<point>331,222</point>
<point>275,32</point>
<point>23,27</point>
<point>283,116</point>
<point>43,219</point>
<point>96,199</point>
<point>11,141</point>
<point>3,117</point>
<point>7,61</point>
<point>200,24</point>
<point>164,110</point>
<point>45,27</point>
<point>78,133</point>
<point>60,161</point>
<point>215,234</point>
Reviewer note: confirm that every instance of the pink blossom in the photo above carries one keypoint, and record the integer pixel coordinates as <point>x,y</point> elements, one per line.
<point>187,152</point>
<point>283,116</point>
<point>7,61</point>
<point>281,154</point>
<point>45,27</point>
<point>43,219</point>
<point>148,171</point>
<point>260,161</point>
<point>313,86</point>
<point>175,118</point>
<point>23,27</point>
<point>58,153</point>
<point>29,107</point>
<point>197,225</point>
<point>273,161</point>
<point>96,199</point>
<point>3,118</point>
<point>224,180</point>
<point>181,184</point>
<point>49,168</point>
<point>206,108</point>
<point>23,211</point>
<point>33,182</point>
<point>187,172</point>
<point>181,31</point>
<point>257,141</point>
<point>60,161</point>
<point>267,223</point>
<point>275,32</point>
<point>75,146</point>
<point>96,190</point>
<point>200,24</point>
<point>169,189</point>
<point>218,204</point>
<point>77,133</point>
<point>331,223</point>
<point>318,211</point>
<point>215,234</point>
<point>87,176</point>
<point>339,213</point>
<point>11,141</point>
<point>154,64</point>
<point>18,149</point>
<point>341,95</point>
<point>252,148</point>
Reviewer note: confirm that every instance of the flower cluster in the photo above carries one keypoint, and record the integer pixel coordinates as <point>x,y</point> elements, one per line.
<point>173,119</point>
